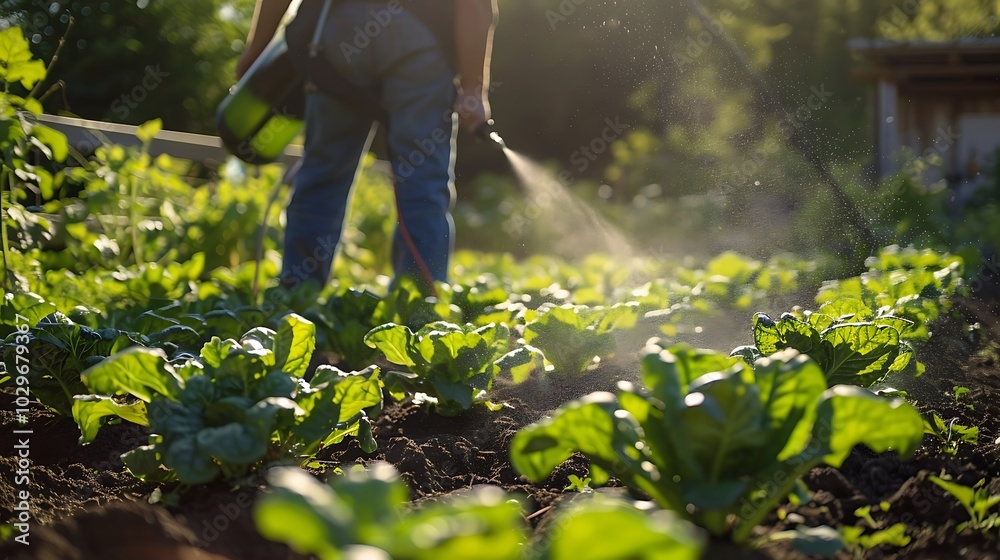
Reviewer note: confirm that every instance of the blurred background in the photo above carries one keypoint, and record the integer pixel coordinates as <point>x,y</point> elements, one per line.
<point>723,122</point>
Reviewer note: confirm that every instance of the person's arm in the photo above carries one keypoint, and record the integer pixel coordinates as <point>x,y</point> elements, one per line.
<point>266,18</point>
<point>475,22</point>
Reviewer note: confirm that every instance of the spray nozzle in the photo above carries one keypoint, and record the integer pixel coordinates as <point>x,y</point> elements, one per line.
<point>488,133</point>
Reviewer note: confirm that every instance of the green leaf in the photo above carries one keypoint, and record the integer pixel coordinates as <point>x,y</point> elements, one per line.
<point>581,533</point>
<point>568,338</point>
<point>148,130</point>
<point>669,372</point>
<point>51,141</point>
<point>192,464</point>
<point>138,371</point>
<point>787,332</point>
<point>294,343</point>
<point>393,341</point>
<point>848,416</point>
<point>29,305</point>
<point>336,399</point>
<point>521,362</point>
<point>89,411</point>
<point>145,463</point>
<point>790,386</point>
<point>239,444</point>
<point>216,350</point>
<point>589,426</point>
<point>847,310</point>
<point>305,514</point>
<point>16,61</point>
<point>483,524</point>
<point>859,353</point>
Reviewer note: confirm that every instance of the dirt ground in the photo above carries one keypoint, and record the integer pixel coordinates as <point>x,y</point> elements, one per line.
<point>87,507</point>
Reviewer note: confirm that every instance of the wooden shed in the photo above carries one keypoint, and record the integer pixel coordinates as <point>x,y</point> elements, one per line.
<point>938,98</point>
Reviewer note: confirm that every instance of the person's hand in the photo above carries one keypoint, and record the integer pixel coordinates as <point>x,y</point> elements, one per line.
<point>473,110</point>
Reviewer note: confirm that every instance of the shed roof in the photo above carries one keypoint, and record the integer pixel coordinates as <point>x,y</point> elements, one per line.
<point>975,61</point>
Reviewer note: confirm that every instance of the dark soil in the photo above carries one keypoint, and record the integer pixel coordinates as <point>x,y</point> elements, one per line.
<point>85,506</point>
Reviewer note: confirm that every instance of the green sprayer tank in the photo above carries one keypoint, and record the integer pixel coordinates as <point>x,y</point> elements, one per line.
<point>264,111</point>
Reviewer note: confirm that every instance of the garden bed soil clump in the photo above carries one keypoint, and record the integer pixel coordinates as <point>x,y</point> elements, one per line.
<point>85,506</point>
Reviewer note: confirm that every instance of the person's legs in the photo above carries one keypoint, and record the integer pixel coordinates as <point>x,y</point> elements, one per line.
<point>418,92</point>
<point>336,140</point>
<point>403,62</point>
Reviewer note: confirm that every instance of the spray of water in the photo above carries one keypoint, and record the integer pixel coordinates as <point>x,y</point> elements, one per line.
<point>586,231</point>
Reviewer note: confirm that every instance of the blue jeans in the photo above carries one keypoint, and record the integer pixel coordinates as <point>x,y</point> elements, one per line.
<point>393,56</point>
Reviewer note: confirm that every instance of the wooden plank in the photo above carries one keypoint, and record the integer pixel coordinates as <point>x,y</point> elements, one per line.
<point>86,136</point>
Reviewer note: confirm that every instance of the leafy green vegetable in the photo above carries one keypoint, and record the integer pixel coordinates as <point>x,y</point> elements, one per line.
<point>572,336</point>
<point>237,404</point>
<point>452,366</point>
<point>58,351</point>
<point>915,285</point>
<point>577,484</point>
<point>977,502</point>
<point>407,304</point>
<point>719,445</point>
<point>89,411</point>
<point>343,323</point>
<point>950,434</point>
<point>850,342</point>
<point>369,509</point>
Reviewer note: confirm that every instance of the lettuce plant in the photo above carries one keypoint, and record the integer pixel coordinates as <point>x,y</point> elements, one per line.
<point>58,353</point>
<point>715,439</point>
<point>236,404</point>
<point>367,512</point>
<point>343,322</point>
<point>572,336</point>
<point>906,282</point>
<point>451,366</point>
<point>850,342</point>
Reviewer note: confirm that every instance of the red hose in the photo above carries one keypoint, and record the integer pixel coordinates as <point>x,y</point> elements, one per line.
<point>409,241</point>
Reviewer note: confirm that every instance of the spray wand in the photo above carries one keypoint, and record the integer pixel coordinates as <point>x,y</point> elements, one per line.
<point>487,133</point>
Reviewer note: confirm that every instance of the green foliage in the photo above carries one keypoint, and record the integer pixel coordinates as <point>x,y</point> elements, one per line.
<point>581,533</point>
<point>58,352</point>
<point>365,511</point>
<point>573,336</point>
<point>850,343</point>
<point>171,60</point>
<point>19,134</point>
<point>343,322</point>
<point>235,405</point>
<point>718,441</point>
<point>977,502</point>
<point>452,366</point>
<point>577,484</point>
<point>861,541</point>
<point>951,434</point>
<point>913,284</point>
